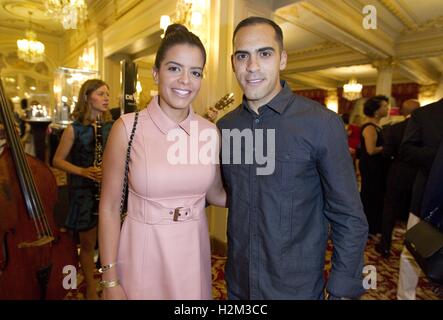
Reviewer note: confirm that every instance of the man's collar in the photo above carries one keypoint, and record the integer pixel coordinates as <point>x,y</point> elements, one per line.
<point>279,102</point>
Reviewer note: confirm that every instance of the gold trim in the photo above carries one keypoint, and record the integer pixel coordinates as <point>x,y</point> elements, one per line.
<point>394,8</point>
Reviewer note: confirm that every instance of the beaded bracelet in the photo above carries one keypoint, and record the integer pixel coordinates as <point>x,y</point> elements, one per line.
<point>109,284</point>
<point>107,267</point>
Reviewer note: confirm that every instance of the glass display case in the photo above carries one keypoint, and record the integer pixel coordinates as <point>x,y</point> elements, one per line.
<point>67,83</point>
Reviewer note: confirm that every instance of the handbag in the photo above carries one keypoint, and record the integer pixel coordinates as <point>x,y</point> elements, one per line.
<point>124,197</point>
<point>425,243</point>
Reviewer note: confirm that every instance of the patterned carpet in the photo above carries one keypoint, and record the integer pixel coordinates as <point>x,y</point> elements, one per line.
<point>387,273</point>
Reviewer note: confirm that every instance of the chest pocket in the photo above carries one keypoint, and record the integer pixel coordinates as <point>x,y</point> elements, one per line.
<point>295,169</point>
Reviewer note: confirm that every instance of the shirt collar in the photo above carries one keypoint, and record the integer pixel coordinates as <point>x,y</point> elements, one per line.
<point>279,102</point>
<point>163,122</point>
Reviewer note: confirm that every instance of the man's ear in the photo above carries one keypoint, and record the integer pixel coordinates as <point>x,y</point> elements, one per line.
<point>283,60</point>
<point>155,74</point>
<point>232,62</point>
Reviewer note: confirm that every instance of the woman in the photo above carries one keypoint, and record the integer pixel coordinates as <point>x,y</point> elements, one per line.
<point>75,154</point>
<point>162,250</point>
<point>373,166</point>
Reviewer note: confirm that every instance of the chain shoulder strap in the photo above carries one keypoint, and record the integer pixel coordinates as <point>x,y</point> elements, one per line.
<point>124,197</point>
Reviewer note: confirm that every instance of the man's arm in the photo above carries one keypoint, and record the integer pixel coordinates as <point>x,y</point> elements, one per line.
<point>412,149</point>
<point>343,209</point>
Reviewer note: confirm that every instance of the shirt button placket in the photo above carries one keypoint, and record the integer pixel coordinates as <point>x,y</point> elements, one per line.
<point>254,277</point>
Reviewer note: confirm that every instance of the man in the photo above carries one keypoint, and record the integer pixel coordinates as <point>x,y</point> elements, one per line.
<point>432,205</point>
<point>280,215</point>
<point>400,179</point>
<point>421,140</point>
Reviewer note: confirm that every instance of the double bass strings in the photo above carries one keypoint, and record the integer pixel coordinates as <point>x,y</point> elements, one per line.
<point>33,203</point>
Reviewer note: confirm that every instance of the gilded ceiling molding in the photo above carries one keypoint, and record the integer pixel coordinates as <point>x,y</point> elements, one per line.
<point>427,91</point>
<point>435,23</point>
<point>317,48</point>
<point>396,10</point>
<point>378,44</point>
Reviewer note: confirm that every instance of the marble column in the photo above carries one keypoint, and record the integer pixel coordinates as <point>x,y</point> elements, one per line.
<point>384,77</point>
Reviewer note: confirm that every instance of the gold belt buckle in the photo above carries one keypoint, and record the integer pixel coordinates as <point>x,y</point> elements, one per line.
<point>177,213</point>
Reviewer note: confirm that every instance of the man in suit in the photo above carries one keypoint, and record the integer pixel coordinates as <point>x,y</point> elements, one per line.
<point>400,178</point>
<point>421,141</point>
<point>432,205</point>
<point>280,214</point>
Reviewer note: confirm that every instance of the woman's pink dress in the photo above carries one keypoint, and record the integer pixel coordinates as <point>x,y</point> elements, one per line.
<point>158,257</point>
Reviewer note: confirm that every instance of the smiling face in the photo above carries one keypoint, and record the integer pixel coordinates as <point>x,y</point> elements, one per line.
<point>257,62</point>
<point>99,100</point>
<point>179,77</point>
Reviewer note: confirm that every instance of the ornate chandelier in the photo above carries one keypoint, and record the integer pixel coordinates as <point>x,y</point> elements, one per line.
<point>189,13</point>
<point>352,90</point>
<point>30,49</point>
<point>68,12</point>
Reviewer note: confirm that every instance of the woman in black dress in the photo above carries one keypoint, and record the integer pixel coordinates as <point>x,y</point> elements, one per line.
<point>373,165</point>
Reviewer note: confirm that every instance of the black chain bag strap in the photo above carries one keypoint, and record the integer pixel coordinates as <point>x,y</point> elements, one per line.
<point>124,197</point>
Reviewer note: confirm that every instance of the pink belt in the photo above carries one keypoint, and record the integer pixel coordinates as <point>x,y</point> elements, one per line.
<point>152,211</point>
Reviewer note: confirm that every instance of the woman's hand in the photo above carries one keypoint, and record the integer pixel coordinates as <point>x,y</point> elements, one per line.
<point>93,173</point>
<point>114,293</point>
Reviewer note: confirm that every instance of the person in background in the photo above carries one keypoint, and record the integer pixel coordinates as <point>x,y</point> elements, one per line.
<point>353,132</point>
<point>400,178</point>
<point>419,146</point>
<point>373,165</point>
<point>75,154</point>
<point>282,211</point>
<point>162,250</point>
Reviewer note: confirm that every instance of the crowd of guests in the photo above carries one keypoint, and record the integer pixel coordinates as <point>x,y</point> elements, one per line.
<point>393,162</point>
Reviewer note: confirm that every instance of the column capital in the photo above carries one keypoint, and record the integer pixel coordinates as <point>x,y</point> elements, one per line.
<point>383,63</point>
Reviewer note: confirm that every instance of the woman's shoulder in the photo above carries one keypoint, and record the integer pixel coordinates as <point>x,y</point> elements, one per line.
<point>370,126</point>
<point>129,117</point>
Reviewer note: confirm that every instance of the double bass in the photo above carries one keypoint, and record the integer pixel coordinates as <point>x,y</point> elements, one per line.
<point>33,253</point>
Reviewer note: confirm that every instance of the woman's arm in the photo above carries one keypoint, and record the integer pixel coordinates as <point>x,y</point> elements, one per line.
<point>62,152</point>
<point>370,135</point>
<point>109,211</point>
<point>216,195</point>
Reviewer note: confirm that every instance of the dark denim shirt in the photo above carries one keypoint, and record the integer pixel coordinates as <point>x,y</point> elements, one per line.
<point>278,224</point>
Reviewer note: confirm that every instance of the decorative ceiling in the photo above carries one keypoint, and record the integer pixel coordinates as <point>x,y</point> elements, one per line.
<point>325,39</point>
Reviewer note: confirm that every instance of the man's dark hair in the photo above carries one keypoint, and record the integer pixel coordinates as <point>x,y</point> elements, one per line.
<point>260,20</point>
<point>373,104</point>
